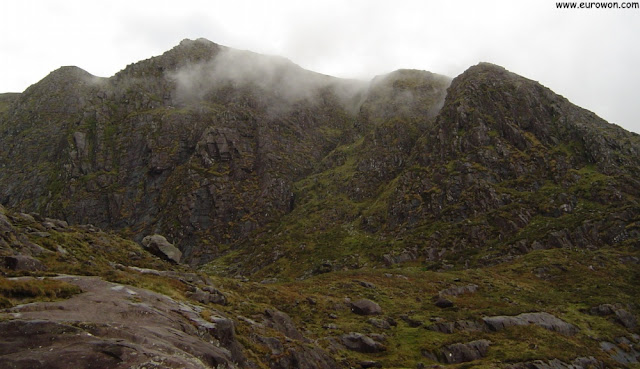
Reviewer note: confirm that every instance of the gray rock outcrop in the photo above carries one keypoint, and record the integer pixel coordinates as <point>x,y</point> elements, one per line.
<point>464,352</point>
<point>366,307</point>
<point>137,328</point>
<point>542,319</point>
<point>361,343</point>
<point>159,246</point>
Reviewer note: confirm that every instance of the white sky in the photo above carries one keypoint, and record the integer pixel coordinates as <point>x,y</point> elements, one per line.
<point>590,56</point>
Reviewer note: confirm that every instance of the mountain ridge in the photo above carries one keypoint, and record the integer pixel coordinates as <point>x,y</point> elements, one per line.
<point>208,144</point>
<point>414,220</point>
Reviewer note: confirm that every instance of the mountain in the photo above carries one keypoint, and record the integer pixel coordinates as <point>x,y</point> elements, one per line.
<point>473,211</point>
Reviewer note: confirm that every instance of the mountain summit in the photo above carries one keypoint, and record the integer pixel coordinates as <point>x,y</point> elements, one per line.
<point>248,166</point>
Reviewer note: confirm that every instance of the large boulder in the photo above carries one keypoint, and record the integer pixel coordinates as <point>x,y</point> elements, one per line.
<point>160,247</point>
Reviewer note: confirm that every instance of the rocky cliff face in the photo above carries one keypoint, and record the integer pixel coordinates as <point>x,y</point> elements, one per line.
<point>235,154</point>
<point>412,221</point>
<point>201,143</point>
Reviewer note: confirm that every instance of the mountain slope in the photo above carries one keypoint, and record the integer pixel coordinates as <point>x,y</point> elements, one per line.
<point>506,167</point>
<point>101,301</point>
<point>253,163</point>
<point>410,221</point>
<point>149,150</point>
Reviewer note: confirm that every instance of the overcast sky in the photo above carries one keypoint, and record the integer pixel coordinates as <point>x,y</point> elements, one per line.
<point>590,56</point>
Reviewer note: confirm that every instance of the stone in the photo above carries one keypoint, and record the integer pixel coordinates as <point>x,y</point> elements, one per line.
<point>379,323</point>
<point>625,356</point>
<point>361,343</point>
<point>366,284</point>
<point>22,263</point>
<point>414,323</point>
<point>458,326</point>
<point>366,307</point>
<point>159,246</point>
<point>282,322</point>
<point>443,303</point>
<point>464,352</point>
<point>459,290</point>
<point>542,319</point>
<point>627,319</point>
<point>622,316</point>
<point>208,295</point>
<point>124,333</point>
<point>370,364</point>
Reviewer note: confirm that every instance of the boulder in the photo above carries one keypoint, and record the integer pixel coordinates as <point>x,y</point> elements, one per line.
<point>443,303</point>
<point>379,323</point>
<point>208,295</point>
<point>542,319</point>
<point>359,342</point>
<point>464,352</point>
<point>160,247</point>
<point>22,263</point>
<point>458,326</point>
<point>366,307</point>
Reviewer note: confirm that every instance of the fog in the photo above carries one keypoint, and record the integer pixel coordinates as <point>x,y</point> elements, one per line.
<point>273,75</point>
<point>587,55</point>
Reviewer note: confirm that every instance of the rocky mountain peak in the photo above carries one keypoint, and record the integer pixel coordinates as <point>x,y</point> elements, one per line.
<point>409,221</point>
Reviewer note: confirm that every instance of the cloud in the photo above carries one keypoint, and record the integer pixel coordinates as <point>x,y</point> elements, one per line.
<point>586,55</point>
<point>274,78</point>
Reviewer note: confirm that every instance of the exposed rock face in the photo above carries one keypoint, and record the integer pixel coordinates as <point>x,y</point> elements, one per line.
<point>217,148</point>
<point>622,351</point>
<point>544,320</point>
<point>621,315</point>
<point>159,246</point>
<point>283,323</point>
<point>154,330</point>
